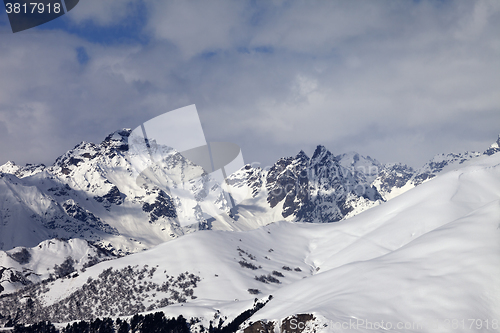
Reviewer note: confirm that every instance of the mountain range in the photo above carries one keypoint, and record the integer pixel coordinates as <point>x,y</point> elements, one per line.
<point>83,238</point>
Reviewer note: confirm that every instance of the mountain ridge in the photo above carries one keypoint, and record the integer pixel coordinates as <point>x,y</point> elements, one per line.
<point>92,177</point>
<point>94,183</point>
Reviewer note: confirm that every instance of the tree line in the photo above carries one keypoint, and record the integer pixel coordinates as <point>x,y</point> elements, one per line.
<point>150,323</point>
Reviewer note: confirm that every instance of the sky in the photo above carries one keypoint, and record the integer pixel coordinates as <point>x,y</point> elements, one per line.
<point>399,81</point>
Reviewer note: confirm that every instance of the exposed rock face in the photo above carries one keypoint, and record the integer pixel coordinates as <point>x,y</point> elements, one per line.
<point>22,257</point>
<point>163,206</point>
<point>9,275</point>
<point>253,177</point>
<point>88,218</point>
<point>394,176</point>
<point>60,191</point>
<point>368,168</point>
<point>72,197</point>
<point>117,140</point>
<point>113,197</point>
<point>21,171</point>
<point>286,179</point>
<point>316,189</point>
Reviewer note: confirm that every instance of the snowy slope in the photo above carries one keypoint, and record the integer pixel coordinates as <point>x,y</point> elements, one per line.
<point>40,207</point>
<point>22,266</point>
<point>430,253</point>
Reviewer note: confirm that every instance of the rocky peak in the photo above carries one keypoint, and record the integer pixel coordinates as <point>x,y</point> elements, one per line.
<point>117,140</point>
<point>494,148</point>
<point>324,164</point>
<point>321,154</point>
<point>20,171</point>
<point>9,167</point>
<point>302,156</point>
<point>83,153</point>
<point>315,189</point>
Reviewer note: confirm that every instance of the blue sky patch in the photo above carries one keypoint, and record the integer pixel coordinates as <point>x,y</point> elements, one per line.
<point>82,55</point>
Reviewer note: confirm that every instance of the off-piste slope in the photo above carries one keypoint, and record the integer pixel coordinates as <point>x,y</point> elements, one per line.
<point>425,257</point>
<point>432,253</point>
<point>204,271</point>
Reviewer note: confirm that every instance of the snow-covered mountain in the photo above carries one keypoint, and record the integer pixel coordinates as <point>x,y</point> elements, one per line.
<point>77,197</point>
<point>316,189</point>
<point>93,192</point>
<point>396,178</point>
<point>101,193</point>
<point>417,263</point>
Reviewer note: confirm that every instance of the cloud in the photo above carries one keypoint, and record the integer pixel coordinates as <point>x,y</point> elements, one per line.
<point>318,27</point>
<point>103,13</point>
<point>199,26</point>
<point>399,81</point>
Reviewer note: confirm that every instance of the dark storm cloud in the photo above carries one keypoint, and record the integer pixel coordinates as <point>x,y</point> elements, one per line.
<point>399,81</point>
